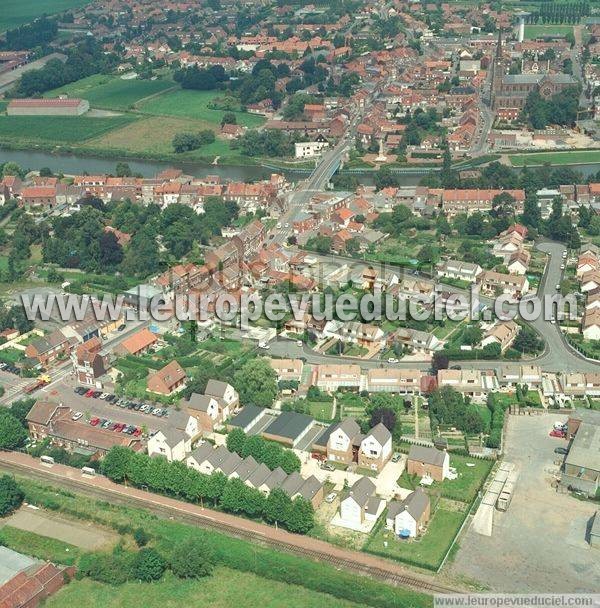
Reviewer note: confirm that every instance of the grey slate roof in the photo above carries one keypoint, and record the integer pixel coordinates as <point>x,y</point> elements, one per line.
<point>427,455</point>
<point>292,484</point>
<point>202,452</point>
<point>275,479</point>
<point>247,415</point>
<point>381,433</point>
<point>289,425</point>
<point>199,402</point>
<point>230,464</point>
<point>310,487</point>
<point>361,491</point>
<point>415,503</point>
<point>246,468</point>
<point>216,388</point>
<point>259,475</point>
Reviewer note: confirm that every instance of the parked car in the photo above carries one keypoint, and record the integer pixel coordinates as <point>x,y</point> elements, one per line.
<point>80,390</point>
<point>327,466</point>
<point>559,434</point>
<point>392,360</point>
<point>137,432</point>
<point>95,421</point>
<point>121,327</point>
<point>561,451</point>
<point>330,497</point>
<point>89,393</point>
<point>104,395</point>
<point>396,457</point>
<point>106,423</point>
<point>76,416</point>
<point>96,394</point>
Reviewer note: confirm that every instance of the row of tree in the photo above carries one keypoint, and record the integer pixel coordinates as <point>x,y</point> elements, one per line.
<point>232,495</point>
<point>449,407</point>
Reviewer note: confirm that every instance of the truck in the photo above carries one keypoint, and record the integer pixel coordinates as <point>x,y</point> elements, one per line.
<point>39,383</point>
<point>505,496</point>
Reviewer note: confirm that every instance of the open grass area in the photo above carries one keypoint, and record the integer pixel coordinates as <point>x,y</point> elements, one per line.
<point>17,12</point>
<point>154,135</point>
<point>427,551</point>
<point>321,410</point>
<point>471,474</point>
<point>242,558</point>
<point>537,31</point>
<point>59,129</point>
<point>112,92</point>
<point>226,588</point>
<point>41,547</point>
<point>194,105</point>
<point>555,158</point>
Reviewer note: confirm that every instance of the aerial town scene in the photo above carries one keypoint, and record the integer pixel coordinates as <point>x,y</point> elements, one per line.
<point>299,303</point>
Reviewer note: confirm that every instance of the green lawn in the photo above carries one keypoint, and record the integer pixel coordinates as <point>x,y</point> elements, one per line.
<point>535,31</point>
<point>321,410</point>
<point>17,12</point>
<point>226,588</point>
<point>110,92</point>
<point>194,104</point>
<point>42,547</point>
<point>426,552</point>
<point>555,158</point>
<point>469,479</point>
<point>58,129</point>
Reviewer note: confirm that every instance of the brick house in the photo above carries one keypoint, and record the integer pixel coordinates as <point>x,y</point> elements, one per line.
<point>169,379</point>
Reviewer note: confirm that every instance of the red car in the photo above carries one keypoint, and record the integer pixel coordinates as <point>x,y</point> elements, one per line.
<point>90,393</point>
<point>559,434</point>
<point>137,432</point>
<point>94,421</point>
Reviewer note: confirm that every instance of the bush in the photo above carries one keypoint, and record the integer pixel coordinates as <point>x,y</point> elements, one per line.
<point>11,495</point>
<point>192,559</point>
<point>148,565</point>
<point>110,568</point>
<point>141,537</point>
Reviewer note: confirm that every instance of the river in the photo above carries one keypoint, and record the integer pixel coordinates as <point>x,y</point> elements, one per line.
<point>77,165</point>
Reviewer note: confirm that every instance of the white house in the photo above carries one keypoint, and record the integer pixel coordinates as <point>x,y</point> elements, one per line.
<point>464,271</point>
<point>410,514</point>
<point>311,149</point>
<point>376,448</point>
<point>170,443</point>
<point>360,508</point>
<point>226,396</point>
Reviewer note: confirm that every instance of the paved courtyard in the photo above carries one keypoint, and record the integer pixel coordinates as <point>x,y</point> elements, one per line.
<point>539,544</point>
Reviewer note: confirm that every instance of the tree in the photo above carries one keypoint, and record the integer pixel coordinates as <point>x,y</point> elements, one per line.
<point>256,383</point>
<point>12,433</point>
<point>236,440</point>
<point>229,118</point>
<point>116,463</point>
<point>11,495</point>
<point>278,507</point>
<point>439,361</point>
<point>19,409</point>
<point>192,559</point>
<point>384,415</point>
<point>148,565</point>
<point>532,215</point>
<point>289,462</point>
<point>528,341</point>
<point>302,516</point>
<point>123,169</point>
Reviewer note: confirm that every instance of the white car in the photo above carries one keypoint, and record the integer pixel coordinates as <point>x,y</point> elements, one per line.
<point>263,345</point>
<point>299,343</point>
<point>557,287</point>
<point>564,254</point>
<point>331,497</point>
<point>279,225</point>
<point>392,360</point>
<point>76,416</point>
<point>104,395</point>
<point>562,266</point>
<point>287,225</point>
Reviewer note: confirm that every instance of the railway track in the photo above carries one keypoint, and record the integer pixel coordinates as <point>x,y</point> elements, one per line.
<point>205,521</point>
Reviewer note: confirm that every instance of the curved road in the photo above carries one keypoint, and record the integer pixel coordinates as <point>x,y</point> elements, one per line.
<point>558,355</point>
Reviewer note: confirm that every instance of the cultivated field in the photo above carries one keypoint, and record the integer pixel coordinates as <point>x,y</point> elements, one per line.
<point>194,104</point>
<point>58,129</point>
<point>17,12</point>
<point>111,92</point>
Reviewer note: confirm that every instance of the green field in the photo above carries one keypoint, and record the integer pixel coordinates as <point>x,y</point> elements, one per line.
<point>194,104</point>
<point>536,31</point>
<point>59,129</point>
<point>427,551</point>
<point>226,588</point>
<point>555,158</point>
<point>110,92</point>
<point>41,547</point>
<point>17,12</point>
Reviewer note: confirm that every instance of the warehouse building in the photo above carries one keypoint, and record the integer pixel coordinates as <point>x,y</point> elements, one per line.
<point>47,107</point>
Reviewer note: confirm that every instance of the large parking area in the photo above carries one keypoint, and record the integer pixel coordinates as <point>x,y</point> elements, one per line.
<point>94,407</point>
<point>539,544</point>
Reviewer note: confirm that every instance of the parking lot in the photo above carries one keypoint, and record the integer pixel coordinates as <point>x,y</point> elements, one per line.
<point>539,543</point>
<point>92,407</point>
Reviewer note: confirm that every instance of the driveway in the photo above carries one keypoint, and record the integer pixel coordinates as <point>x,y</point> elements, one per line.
<point>538,544</point>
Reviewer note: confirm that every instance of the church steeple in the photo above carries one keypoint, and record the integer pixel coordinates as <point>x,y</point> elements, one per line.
<point>499,45</point>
